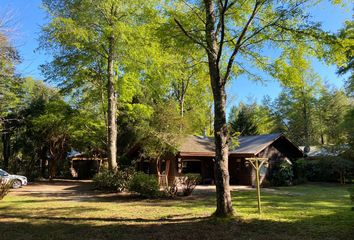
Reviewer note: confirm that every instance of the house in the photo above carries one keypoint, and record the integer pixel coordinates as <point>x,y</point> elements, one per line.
<point>196,155</point>
<point>84,166</point>
<point>315,152</point>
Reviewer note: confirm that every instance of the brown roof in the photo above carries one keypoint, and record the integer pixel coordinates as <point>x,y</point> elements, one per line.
<point>249,145</point>
<point>194,145</point>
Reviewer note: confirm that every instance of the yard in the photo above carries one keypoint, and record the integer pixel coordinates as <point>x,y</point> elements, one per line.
<point>71,210</point>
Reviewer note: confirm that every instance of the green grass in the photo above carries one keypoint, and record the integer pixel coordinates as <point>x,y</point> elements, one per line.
<point>300,212</point>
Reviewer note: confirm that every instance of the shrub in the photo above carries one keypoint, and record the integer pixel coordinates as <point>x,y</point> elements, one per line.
<point>351,193</point>
<point>5,186</point>
<point>188,183</point>
<point>325,169</point>
<point>147,186</point>
<point>282,174</point>
<point>171,190</point>
<point>266,183</point>
<point>113,181</point>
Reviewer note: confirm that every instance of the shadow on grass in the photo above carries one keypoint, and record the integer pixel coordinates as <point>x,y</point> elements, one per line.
<point>182,228</point>
<point>169,219</point>
<point>314,215</point>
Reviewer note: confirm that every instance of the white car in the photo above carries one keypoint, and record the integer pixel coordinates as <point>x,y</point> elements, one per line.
<point>18,180</point>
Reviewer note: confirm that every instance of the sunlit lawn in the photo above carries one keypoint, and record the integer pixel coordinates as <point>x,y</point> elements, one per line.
<point>300,212</point>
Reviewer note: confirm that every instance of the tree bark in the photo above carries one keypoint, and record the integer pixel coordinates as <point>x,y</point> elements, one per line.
<point>223,195</point>
<point>43,159</point>
<point>222,178</point>
<point>112,109</point>
<point>181,102</point>
<point>306,120</point>
<point>6,149</point>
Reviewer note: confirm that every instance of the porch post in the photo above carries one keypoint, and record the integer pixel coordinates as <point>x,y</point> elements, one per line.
<point>179,165</point>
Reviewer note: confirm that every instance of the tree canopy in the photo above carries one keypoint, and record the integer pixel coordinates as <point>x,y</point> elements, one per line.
<point>137,75</point>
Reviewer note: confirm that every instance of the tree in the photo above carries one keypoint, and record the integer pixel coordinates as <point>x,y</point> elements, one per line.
<point>54,125</point>
<point>18,141</point>
<point>93,41</point>
<point>251,119</point>
<point>301,86</point>
<point>160,136</point>
<point>233,32</point>
<point>330,109</point>
<point>9,88</point>
<point>348,128</point>
<point>47,127</point>
<point>346,36</point>
<point>243,120</point>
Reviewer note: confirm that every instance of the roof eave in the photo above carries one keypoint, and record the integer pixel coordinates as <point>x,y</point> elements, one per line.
<point>241,155</point>
<point>196,154</point>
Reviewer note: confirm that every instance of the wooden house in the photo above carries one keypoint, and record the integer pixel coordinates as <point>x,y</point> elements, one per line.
<point>196,155</point>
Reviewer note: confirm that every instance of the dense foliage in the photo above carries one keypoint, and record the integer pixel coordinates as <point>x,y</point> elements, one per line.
<point>282,174</point>
<point>324,118</point>
<point>351,195</point>
<point>146,185</point>
<point>327,169</point>
<point>114,181</point>
<point>130,77</point>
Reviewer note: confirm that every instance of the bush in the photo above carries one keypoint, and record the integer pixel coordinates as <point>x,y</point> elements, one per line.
<point>5,186</point>
<point>188,183</point>
<point>171,190</point>
<point>282,174</point>
<point>351,193</point>
<point>113,181</point>
<point>325,169</point>
<point>147,186</point>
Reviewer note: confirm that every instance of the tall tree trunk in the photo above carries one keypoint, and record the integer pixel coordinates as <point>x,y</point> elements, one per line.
<point>181,105</point>
<point>6,149</point>
<point>223,195</point>
<point>43,159</point>
<point>306,120</point>
<point>322,138</point>
<point>222,178</point>
<point>112,109</point>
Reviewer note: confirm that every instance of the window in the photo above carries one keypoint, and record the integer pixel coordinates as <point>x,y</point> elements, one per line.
<point>191,166</point>
<point>3,173</point>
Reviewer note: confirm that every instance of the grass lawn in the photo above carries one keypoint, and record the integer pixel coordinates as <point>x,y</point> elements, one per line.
<point>310,211</point>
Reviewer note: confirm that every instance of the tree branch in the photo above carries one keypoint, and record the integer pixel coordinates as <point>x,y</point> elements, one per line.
<point>222,24</point>
<point>193,10</point>
<point>188,35</point>
<point>239,40</point>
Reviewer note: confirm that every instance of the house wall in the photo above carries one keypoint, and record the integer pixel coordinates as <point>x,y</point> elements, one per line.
<point>240,174</point>
<point>206,170</point>
<point>274,156</point>
<point>85,169</point>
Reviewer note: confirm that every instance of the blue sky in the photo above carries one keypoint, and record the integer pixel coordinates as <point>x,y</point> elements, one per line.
<point>27,19</point>
<point>332,19</point>
<point>29,16</point>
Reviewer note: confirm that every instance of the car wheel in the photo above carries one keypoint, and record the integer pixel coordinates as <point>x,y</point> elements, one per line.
<point>16,184</point>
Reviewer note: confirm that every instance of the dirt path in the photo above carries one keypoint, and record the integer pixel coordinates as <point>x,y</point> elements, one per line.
<point>70,190</point>
<point>84,190</point>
